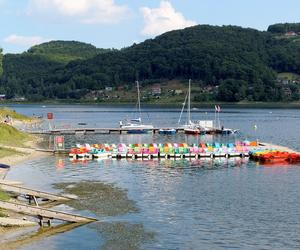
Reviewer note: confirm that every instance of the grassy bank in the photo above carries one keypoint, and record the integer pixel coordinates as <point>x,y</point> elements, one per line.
<point>14,115</point>
<point>5,152</point>
<point>10,136</point>
<point>3,197</point>
<point>15,145</point>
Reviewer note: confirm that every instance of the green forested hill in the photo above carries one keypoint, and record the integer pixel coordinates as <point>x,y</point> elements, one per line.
<point>65,51</point>
<point>284,27</point>
<point>238,63</point>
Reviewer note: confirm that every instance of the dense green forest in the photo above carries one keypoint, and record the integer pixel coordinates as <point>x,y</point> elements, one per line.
<point>284,27</point>
<point>237,63</point>
<point>64,52</point>
<point>1,60</point>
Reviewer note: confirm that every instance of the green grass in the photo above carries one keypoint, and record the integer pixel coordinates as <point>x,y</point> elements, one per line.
<point>288,76</point>
<point>2,214</point>
<point>3,197</point>
<point>10,136</point>
<point>14,115</point>
<point>8,152</point>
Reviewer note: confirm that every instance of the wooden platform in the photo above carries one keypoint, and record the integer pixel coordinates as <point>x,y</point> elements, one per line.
<point>32,192</point>
<point>85,131</point>
<point>277,147</point>
<point>43,213</point>
<point>74,131</point>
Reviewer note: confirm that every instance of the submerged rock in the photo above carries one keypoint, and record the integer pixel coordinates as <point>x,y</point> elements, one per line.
<point>99,198</point>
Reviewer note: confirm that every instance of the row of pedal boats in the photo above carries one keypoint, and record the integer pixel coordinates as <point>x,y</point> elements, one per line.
<point>183,150</point>
<point>162,150</point>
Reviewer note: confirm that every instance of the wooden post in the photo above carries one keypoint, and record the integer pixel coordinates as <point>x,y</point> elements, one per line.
<point>35,201</point>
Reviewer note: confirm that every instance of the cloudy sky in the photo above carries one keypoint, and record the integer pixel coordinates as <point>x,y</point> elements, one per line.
<point>119,23</point>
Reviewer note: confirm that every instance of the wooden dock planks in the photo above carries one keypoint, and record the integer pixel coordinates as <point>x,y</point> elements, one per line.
<point>32,192</point>
<point>44,213</point>
<point>74,131</point>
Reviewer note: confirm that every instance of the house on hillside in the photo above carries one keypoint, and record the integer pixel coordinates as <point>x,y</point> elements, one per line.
<point>19,99</point>
<point>290,34</point>
<point>178,91</point>
<point>287,92</point>
<point>2,97</point>
<point>94,94</point>
<point>156,89</point>
<point>108,89</point>
<point>207,89</point>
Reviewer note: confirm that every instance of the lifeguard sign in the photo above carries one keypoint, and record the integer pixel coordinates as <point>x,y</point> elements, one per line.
<point>59,143</point>
<point>50,116</point>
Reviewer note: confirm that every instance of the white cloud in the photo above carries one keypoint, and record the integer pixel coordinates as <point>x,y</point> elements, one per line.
<point>162,19</point>
<point>87,11</point>
<point>24,40</point>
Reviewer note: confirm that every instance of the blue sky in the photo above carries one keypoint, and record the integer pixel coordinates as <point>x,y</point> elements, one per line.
<point>119,23</point>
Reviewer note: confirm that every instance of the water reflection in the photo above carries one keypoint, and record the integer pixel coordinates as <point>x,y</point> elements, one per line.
<point>197,204</point>
<point>205,163</point>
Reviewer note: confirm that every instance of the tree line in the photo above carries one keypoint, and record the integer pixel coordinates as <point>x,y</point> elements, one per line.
<point>242,63</point>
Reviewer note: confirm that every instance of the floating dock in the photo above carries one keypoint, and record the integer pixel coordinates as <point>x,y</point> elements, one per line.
<point>161,156</point>
<point>86,131</point>
<point>265,145</point>
<point>173,151</point>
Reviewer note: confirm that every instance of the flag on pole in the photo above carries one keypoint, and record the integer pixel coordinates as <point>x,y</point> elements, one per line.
<point>217,108</point>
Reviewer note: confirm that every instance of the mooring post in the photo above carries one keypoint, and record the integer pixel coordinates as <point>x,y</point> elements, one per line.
<point>44,220</point>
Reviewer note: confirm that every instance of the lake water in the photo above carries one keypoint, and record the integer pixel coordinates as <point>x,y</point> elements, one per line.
<point>186,205</point>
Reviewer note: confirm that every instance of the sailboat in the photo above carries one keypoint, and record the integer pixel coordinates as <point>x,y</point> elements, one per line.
<point>190,127</point>
<point>220,129</point>
<point>135,126</point>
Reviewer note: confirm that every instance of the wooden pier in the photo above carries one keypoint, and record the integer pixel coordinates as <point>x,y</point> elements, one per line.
<point>266,145</point>
<point>86,131</point>
<point>44,214</point>
<point>32,193</point>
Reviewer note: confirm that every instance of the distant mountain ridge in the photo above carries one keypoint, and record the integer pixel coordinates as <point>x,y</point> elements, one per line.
<point>239,63</point>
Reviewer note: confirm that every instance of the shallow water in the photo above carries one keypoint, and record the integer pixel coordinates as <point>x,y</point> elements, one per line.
<point>185,205</point>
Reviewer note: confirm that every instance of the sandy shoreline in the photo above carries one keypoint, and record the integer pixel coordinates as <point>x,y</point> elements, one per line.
<point>14,232</point>
<point>22,155</point>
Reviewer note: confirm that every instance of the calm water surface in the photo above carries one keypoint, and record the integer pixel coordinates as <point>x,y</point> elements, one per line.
<point>188,205</point>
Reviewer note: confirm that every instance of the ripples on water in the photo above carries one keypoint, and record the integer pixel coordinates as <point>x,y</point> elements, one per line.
<point>188,205</point>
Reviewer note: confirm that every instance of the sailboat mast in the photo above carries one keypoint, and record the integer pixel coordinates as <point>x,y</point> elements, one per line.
<point>189,103</point>
<point>139,101</point>
<point>182,109</point>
